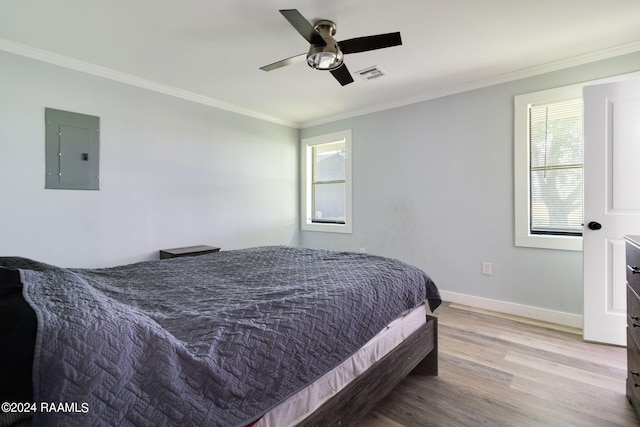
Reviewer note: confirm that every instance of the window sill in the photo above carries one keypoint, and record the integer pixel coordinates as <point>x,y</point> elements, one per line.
<point>326,228</point>
<point>564,243</point>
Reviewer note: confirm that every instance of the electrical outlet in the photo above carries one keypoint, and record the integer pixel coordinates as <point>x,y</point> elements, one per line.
<point>486,268</point>
<point>363,250</point>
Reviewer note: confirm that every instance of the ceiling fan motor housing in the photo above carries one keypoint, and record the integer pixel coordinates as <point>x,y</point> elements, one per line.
<point>328,57</point>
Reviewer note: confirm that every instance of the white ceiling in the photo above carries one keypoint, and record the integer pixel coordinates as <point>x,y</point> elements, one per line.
<point>210,51</point>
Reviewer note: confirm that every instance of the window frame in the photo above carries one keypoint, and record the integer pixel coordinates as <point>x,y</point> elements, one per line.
<point>521,162</point>
<point>522,191</point>
<point>306,187</point>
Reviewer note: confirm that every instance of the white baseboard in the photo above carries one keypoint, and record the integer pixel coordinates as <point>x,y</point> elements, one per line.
<point>541,314</point>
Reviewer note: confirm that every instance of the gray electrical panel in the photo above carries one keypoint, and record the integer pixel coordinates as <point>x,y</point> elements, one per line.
<point>72,150</point>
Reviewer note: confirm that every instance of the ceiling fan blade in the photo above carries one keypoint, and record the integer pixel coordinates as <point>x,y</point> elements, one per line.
<point>363,44</point>
<point>303,26</point>
<point>342,75</point>
<point>285,62</point>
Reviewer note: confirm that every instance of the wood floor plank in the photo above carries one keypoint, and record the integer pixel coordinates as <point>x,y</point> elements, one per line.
<point>598,354</point>
<point>499,370</point>
<point>589,378</point>
<point>572,398</point>
<point>541,323</point>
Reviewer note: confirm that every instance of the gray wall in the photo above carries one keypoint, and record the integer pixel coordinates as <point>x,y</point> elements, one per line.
<point>433,186</point>
<point>172,173</point>
<point>433,182</point>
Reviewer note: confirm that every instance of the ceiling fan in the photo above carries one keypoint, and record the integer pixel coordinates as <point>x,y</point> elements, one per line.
<point>325,53</point>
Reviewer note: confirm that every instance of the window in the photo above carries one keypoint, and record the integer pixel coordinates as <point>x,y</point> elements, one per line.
<point>548,155</point>
<point>555,168</point>
<point>548,147</point>
<point>326,190</point>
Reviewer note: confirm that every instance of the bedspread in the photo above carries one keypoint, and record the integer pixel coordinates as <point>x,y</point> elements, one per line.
<point>216,339</point>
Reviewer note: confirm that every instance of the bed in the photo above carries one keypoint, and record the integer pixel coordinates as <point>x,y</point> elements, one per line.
<point>225,339</point>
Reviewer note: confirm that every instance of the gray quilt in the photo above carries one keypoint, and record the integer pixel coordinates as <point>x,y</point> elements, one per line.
<point>216,339</point>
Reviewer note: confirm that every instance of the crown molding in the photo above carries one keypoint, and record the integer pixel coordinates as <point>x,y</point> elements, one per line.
<point>107,73</point>
<point>129,79</point>
<point>491,81</point>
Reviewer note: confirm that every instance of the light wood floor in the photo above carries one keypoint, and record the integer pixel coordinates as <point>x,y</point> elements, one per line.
<point>500,370</point>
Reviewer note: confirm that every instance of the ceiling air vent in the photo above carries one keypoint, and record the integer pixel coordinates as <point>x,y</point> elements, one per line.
<point>371,73</point>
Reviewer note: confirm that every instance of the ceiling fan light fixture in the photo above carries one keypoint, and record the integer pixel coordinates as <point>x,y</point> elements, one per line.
<point>321,58</point>
<point>328,56</point>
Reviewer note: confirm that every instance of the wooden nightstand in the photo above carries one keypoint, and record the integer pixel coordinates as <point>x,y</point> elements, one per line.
<point>187,251</point>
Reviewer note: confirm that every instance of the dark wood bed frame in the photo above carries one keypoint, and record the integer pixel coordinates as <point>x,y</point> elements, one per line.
<point>417,355</point>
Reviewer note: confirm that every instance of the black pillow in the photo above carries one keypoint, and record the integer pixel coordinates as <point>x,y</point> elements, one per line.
<point>17,339</point>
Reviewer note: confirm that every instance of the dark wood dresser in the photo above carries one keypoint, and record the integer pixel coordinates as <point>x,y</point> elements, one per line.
<point>633,321</point>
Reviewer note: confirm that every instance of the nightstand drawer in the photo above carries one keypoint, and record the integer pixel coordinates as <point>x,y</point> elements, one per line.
<point>633,266</point>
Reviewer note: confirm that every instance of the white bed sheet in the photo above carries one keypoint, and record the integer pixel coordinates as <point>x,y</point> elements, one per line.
<point>306,401</point>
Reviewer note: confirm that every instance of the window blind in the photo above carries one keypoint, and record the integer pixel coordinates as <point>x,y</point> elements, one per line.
<point>329,183</point>
<point>556,171</point>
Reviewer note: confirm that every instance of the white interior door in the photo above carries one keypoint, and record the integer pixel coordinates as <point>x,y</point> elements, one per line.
<point>612,200</point>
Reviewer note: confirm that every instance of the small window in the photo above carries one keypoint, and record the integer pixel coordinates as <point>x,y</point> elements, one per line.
<point>548,150</point>
<point>328,183</point>
<point>555,168</point>
<point>326,170</point>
